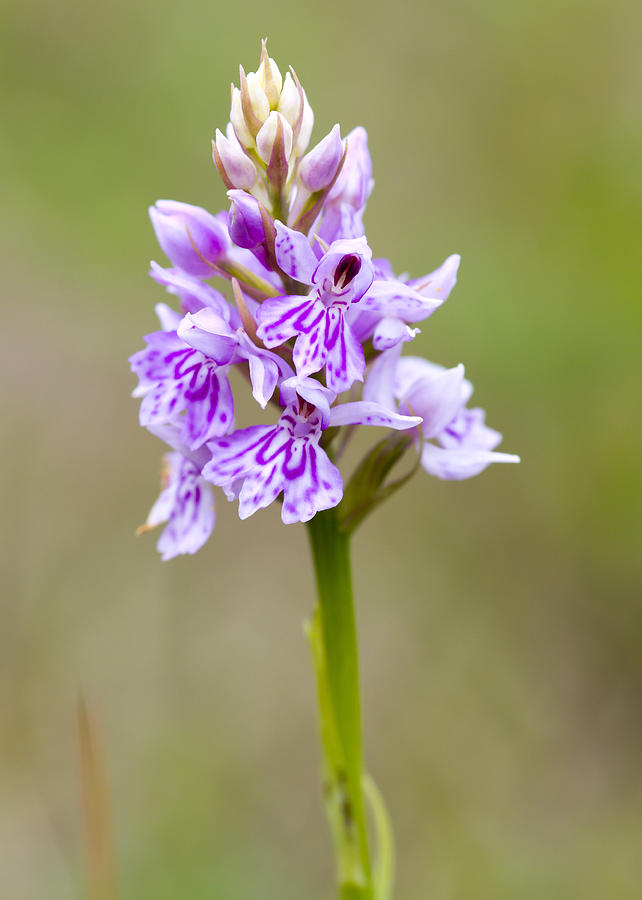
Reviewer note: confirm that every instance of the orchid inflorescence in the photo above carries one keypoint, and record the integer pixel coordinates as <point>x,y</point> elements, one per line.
<point>316,326</point>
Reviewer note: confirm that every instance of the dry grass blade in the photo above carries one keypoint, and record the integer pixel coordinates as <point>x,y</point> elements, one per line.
<point>101,874</point>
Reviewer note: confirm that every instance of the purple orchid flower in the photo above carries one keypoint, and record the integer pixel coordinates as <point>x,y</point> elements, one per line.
<point>181,385</point>
<point>308,302</point>
<point>206,332</point>
<point>186,502</point>
<point>318,320</point>
<point>393,303</point>
<point>183,373</point>
<point>256,464</point>
<point>455,441</point>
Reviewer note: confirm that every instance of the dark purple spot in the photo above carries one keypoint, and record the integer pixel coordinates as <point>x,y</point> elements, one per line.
<point>346,270</point>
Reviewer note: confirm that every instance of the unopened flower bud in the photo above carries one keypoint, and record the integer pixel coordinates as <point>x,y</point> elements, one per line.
<point>192,238</point>
<point>305,128</point>
<point>275,131</point>
<point>254,102</point>
<point>269,77</point>
<point>294,106</point>
<point>237,119</point>
<point>290,101</point>
<point>235,168</point>
<point>319,166</point>
<point>245,222</point>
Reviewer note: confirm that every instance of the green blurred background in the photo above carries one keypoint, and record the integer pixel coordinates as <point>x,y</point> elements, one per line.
<point>499,617</point>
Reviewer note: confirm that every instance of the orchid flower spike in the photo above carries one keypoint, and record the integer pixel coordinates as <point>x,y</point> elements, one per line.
<point>314,324</point>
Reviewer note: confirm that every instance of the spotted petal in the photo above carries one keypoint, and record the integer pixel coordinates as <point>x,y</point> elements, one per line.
<point>260,488</point>
<point>390,331</point>
<point>187,505</point>
<point>394,298</point>
<point>311,482</point>
<point>152,363</point>
<point>310,350</point>
<point>366,412</point>
<point>294,253</point>
<point>281,318</point>
<point>186,382</point>
<point>235,455</point>
<point>345,359</point>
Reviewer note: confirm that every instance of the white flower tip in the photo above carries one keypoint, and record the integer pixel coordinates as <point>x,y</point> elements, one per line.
<point>275,128</point>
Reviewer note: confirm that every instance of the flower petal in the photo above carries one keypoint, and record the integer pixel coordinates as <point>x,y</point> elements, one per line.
<point>169,319</point>
<point>187,505</point>
<point>208,332</point>
<point>380,382</point>
<point>310,351</point>
<point>391,331</point>
<point>153,363</point>
<point>367,412</point>
<point>193,293</point>
<point>267,369</point>
<point>393,298</point>
<point>264,375</point>
<point>439,283</point>
<point>311,390</point>
<point>345,359</point>
<point>311,482</point>
<point>234,456</point>
<point>170,433</point>
<point>260,488</point>
<point>210,408</point>
<point>280,318</point>
<point>191,385</point>
<point>456,465</point>
<point>468,430</point>
<point>437,400</point>
<point>340,221</point>
<point>294,253</point>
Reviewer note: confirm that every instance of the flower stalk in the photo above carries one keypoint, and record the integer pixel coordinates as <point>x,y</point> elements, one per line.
<point>333,641</point>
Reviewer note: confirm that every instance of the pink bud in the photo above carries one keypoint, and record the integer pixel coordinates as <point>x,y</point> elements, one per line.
<point>276,128</point>
<point>245,222</point>
<point>237,169</point>
<point>190,236</point>
<point>319,166</point>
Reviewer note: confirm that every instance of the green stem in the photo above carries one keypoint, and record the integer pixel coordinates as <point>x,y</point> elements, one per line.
<point>248,278</point>
<point>333,640</point>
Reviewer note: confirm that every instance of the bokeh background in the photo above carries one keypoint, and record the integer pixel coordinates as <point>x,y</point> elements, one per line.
<point>499,618</point>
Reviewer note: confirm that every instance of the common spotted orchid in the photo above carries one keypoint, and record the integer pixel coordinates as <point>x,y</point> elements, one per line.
<point>279,295</point>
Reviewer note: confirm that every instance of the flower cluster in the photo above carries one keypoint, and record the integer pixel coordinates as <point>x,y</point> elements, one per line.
<point>312,322</point>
